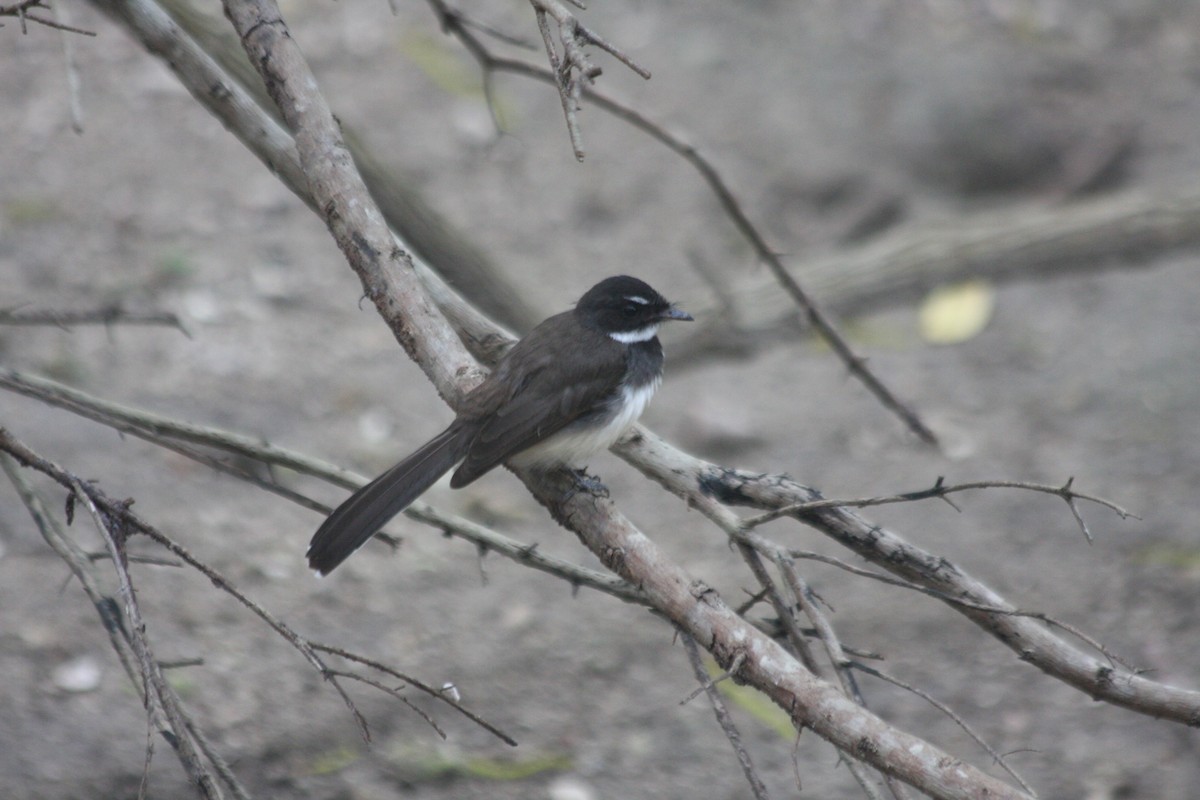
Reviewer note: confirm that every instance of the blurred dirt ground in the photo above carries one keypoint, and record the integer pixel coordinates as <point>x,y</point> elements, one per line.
<point>814,112</point>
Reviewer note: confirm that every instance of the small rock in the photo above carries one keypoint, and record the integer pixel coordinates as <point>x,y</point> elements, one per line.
<point>78,675</point>
<point>569,788</point>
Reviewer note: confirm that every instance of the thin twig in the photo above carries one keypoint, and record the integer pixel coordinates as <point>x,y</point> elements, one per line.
<point>114,532</point>
<point>820,321</point>
<point>949,712</point>
<point>448,698</point>
<point>572,70</point>
<point>389,690</point>
<point>21,11</point>
<point>169,433</point>
<point>941,490</point>
<point>965,603</point>
<point>309,649</point>
<point>119,634</point>
<point>108,315</point>
<point>724,719</point>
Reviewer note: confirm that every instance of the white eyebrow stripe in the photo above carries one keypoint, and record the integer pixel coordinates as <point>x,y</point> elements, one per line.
<point>640,335</point>
<point>633,298</point>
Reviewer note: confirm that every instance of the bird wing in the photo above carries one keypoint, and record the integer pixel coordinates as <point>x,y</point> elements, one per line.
<point>539,401</point>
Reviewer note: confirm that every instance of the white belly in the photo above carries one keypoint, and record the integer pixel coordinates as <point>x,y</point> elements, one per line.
<point>575,447</point>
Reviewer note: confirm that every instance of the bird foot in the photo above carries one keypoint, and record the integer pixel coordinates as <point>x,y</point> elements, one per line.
<point>586,483</point>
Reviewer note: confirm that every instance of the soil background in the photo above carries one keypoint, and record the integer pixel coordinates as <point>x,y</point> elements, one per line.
<point>816,113</point>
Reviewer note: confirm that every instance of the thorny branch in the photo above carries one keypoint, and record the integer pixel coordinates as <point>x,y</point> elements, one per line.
<point>22,10</point>
<point>108,315</point>
<point>709,687</point>
<point>607,532</point>
<point>941,490</point>
<point>573,71</point>
<point>129,644</point>
<point>710,488</point>
<point>175,436</point>
<point>452,22</point>
<point>119,513</point>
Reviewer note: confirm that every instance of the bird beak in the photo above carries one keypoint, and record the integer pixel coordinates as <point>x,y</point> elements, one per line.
<point>675,313</point>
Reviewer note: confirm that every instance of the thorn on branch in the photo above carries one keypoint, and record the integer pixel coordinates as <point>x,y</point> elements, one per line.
<point>707,685</point>
<point>941,491</point>
<point>757,787</point>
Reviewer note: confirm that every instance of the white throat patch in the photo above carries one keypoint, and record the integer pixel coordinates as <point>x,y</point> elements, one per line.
<point>640,335</point>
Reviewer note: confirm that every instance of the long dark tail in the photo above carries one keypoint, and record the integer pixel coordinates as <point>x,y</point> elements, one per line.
<point>367,510</point>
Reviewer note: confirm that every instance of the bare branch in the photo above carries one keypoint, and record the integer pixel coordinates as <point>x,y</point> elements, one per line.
<point>167,432</point>
<point>855,363</point>
<point>709,687</point>
<point>21,11</point>
<point>108,315</point>
<point>949,712</point>
<point>120,635</point>
<point>706,485</point>
<point>941,490</point>
<point>153,682</point>
<point>573,71</point>
<point>700,611</point>
<point>130,522</point>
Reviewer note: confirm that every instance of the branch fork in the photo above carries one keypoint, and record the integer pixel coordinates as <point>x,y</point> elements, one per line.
<point>573,70</point>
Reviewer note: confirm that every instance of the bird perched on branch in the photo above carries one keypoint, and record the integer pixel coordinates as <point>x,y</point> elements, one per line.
<point>563,393</point>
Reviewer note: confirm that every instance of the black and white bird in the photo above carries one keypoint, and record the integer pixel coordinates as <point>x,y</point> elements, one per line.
<point>565,392</point>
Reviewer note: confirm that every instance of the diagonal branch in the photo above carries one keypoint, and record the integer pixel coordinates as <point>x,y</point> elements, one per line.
<point>573,71</point>
<point>21,10</point>
<point>707,486</point>
<point>360,233</point>
<point>724,719</point>
<point>154,683</point>
<point>121,514</point>
<point>691,604</point>
<point>121,636</point>
<point>824,325</point>
<point>172,434</point>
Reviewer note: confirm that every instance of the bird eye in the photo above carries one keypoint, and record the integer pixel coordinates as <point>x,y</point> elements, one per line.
<point>630,309</point>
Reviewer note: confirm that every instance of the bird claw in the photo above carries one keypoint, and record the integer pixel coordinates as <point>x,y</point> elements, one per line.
<point>586,483</point>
